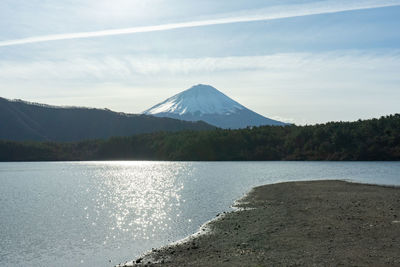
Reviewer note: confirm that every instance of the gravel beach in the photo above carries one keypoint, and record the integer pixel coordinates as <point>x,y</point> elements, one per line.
<point>315,223</point>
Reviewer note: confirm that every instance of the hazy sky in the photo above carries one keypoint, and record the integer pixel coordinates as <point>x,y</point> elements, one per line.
<point>296,60</point>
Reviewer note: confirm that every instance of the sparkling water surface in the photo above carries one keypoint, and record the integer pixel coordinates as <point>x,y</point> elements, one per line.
<point>105,213</point>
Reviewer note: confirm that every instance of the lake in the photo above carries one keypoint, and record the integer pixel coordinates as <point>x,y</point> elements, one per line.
<point>105,213</point>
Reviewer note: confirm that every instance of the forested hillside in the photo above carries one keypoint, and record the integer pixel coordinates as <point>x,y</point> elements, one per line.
<point>23,121</point>
<point>375,139</point>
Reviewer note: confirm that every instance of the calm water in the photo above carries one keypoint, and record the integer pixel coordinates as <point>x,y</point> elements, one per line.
<point>72,214</point>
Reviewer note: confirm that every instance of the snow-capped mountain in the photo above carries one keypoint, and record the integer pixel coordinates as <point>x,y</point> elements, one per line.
<point>204,102</point>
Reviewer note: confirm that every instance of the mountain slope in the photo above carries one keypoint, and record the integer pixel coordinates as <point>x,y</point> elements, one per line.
<point>204,102</point>
<point>21,121</point>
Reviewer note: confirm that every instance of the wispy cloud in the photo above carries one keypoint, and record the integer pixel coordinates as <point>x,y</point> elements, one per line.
<point>125,67</point>
<point>273,13</point>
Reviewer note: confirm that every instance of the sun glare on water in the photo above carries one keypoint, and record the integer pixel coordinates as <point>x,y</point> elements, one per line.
<point>139,197</point>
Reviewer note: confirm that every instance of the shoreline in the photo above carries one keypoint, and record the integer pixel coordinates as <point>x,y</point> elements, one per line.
<point>327,222</point>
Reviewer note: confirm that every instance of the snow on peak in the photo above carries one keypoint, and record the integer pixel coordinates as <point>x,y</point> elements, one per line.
<point>203,99</point>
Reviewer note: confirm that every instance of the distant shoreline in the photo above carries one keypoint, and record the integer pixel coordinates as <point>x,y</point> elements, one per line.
<point>320,223</point>
<point>368,140</point>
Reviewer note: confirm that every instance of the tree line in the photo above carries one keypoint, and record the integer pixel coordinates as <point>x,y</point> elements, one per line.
<point>365,140</point>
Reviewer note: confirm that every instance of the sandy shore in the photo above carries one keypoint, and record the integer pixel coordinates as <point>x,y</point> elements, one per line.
<point>317,223</point>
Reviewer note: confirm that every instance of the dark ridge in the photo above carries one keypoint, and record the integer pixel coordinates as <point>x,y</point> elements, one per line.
<point>25,121</point>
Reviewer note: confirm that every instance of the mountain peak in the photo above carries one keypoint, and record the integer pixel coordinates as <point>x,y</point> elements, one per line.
<point>204,102</point>
<point>199,99</point>
<point>202,88</point>
<point>201,91</point>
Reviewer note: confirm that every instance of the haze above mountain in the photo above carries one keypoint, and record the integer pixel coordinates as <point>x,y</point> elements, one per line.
<point>206,103</point>
<point>22,121</point>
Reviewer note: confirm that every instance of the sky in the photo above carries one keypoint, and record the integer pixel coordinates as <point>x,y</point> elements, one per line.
<point>300,61</point>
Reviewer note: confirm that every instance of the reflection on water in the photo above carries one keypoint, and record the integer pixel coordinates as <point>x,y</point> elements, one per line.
<point>79,213</point>
<point>137,197</point>
<point>104,213</point>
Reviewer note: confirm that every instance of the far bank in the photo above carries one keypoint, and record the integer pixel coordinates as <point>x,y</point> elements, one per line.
<point>363,140</point>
